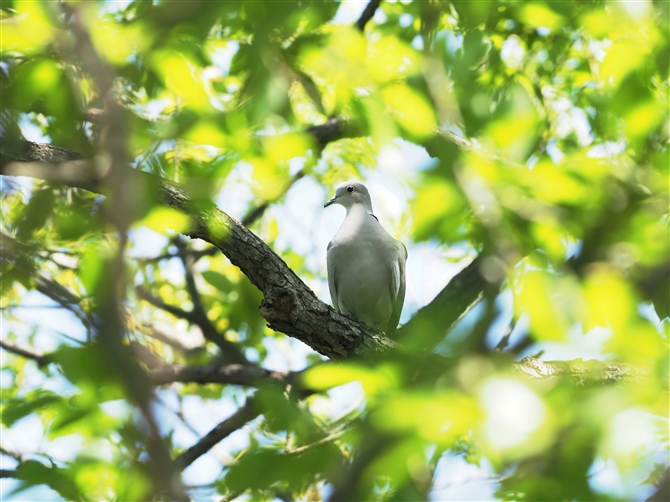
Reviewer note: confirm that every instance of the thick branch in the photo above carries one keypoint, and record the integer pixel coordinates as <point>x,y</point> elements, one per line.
<point>288,305</point>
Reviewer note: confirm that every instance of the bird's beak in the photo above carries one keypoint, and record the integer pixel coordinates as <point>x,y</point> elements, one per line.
<point>331,201</point>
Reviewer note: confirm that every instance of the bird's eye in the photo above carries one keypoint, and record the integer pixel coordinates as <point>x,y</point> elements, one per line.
<point>351,189</point>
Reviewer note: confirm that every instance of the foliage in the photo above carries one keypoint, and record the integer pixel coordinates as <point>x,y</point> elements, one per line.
<point>547,124</point>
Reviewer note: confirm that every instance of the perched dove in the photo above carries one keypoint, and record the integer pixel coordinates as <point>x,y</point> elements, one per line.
<point>366,266</point>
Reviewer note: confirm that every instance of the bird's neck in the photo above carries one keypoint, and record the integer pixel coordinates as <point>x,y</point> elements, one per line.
<point>359,211</point>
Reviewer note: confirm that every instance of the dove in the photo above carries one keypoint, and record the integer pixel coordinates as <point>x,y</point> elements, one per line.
<point>366,266</point>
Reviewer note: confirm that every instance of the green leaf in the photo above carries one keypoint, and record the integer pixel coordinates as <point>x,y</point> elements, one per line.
<point>37,213</point>
<point>218,280</point>
<point>33,473</point>
<point>23,406</point>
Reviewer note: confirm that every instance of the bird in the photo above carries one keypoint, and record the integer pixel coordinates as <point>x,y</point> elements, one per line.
<point>366,266</point>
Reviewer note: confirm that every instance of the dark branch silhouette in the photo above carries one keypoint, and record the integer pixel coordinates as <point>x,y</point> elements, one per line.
<point>368,13</point>
<point>233,374</point>
<point>236,421</point>
<point>28,353</point>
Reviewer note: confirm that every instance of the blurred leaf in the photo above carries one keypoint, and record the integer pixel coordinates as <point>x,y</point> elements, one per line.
<point>166,221</point>
<point>411,110</point>
<point>93,263</point>
<point>373,380</point>
<point>610,301</point>
<point>539,297</point>
<point>182,77</point>
<point>37,213</point>
<point>33,473</point>
<point>218,280</point>
<point>437,210</point>
<point>516,112</point>
<point>88,367</point>
<point>440,417</point>
<point>33,401</point>
<point>264,468</point>
<point>28,30</point>
<point>540,15</point>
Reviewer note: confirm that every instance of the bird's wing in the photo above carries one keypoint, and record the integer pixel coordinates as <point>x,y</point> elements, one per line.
<point>332,278</point>
<point>398,282</point>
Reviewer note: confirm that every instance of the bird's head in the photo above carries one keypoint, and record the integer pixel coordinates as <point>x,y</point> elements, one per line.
<point>351,193</point>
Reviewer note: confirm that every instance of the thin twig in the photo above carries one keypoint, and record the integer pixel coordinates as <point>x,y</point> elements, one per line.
<point>231,352</point>
<point>16,456</point>
<point>228,349</point>
<point>259,210</point>
<point>196,253</point>
<point>151,331</point>
<point>504,341</point>
<point>236,374</point>
<point>29,353</point>
<point>236,421</point>
<point>143,294</point>
<point>327,439</point>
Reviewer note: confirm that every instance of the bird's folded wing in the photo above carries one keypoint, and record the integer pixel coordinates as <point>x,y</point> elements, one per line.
<point>399,285</point>
<point>332,281</point>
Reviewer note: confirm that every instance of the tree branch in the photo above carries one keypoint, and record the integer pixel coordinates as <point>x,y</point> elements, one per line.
<point>196,253</point>
<point>177,345</point>
<point>29,353</point>
<point>9,453</point>
<point>234,374</point>
<point>581,372</point>
<point>229,351</point>
<point>158,303</point>
<point>236,421</point>
<point>432,322</point>
<point>368,14</point>
<point>289,305</point>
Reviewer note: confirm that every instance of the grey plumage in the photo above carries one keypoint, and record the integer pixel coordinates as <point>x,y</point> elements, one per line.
<point>366,266</point>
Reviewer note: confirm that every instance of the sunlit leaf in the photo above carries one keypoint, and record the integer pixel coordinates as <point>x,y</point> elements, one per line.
<point>540,15</point>
<point>441,417</point>
<point>28,30</point>
<point>166,220</point>
<point>538,296</point>
<point>411,110</point>
<point>373,380</point>
<point>182,78</point>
